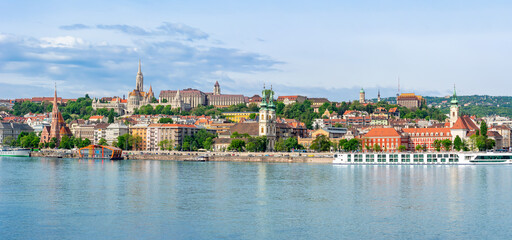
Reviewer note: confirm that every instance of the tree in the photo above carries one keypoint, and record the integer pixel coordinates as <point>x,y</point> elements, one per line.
<point>377,148</point>
<point>483,129</point>
<point>419,148</point>
<point>86,142</point>
<point>490,143</point>
<point>66,142</point>
<point>124,141</point>
<point>53,143</point>
<point>447,144</point>
<point>258,144</point>
<point>321,143</point>
<point>342,143</point>
<point>279,147</point>
<point>292,143</point>
<point>237,145</point>
<point>252,116</point>
<point>350,145</point>
<point>136,142</point>
<point>402,148</point>
<point>165,120</point>
<point>9,141</point>
<point>457,143</point>
<point>103,142</point>
<point>165,145</point>
<point>437,145</point>
<point>111,116</point>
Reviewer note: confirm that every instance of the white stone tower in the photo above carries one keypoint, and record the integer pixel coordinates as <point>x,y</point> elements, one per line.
<point>267,122</point>
<point>378,96</point>
<point>216,88</point>
<point>454,108</point>
<point>361,96</point>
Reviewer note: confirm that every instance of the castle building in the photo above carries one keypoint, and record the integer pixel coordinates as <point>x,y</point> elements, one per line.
<point>138,97</point>
<point>190,97</point>
<point>267,121</point>
<point>361,96</point>
<point>194,97</point>
<point>118,104</point>
<point>58,127</point>
<point>410,100</point>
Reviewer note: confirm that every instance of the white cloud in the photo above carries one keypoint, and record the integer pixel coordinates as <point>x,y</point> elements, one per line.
<point>62,42</point>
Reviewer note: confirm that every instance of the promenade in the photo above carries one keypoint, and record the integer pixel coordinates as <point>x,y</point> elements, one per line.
<point>276,157</point>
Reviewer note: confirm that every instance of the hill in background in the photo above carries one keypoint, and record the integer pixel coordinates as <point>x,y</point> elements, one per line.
<point>479,105</point>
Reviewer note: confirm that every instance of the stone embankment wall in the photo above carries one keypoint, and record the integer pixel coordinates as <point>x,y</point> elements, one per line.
<point>232,158</point>
<point>212,156</point>
<point>55,153</point>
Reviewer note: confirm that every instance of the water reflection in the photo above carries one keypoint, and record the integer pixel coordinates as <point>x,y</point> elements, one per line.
<point>69,198</point>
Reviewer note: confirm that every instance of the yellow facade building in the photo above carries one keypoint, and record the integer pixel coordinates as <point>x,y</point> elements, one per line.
<point>139,130</point>
<point>238,116</point>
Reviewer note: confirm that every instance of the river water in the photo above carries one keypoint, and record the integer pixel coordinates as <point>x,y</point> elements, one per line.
<point>43,198</point>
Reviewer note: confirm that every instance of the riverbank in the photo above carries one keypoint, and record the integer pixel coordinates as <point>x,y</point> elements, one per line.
<point>212,156</point>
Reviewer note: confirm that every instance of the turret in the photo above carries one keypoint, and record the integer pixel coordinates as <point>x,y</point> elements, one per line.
<point>216,88</point>
<point>361,96</point>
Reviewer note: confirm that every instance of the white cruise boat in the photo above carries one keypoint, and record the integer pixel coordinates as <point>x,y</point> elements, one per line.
<point>426,158</point>
<point>15,152</point>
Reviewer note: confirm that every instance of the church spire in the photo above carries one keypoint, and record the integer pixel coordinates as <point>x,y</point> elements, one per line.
<point>140,80</point>
<point>55,96</point>
<point>454,97</point>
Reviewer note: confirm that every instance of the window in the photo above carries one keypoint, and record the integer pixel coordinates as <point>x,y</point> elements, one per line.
<point>418,158</point>
<point>369,158</point>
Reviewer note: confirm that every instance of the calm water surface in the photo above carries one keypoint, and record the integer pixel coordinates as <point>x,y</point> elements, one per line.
<point>43,198</point>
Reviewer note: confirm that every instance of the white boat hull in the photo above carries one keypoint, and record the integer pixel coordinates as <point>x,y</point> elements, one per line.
<point>427,158</point>
<point>15,153</point>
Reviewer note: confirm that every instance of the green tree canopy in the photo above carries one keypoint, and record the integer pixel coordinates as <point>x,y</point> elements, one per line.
<point>321,143</point>
<point>237,145</point>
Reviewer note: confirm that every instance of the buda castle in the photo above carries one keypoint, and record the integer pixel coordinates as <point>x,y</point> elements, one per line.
<point>185,99</point>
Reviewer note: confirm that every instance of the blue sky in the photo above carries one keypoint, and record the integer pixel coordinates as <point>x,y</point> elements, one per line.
<point>313,48</point>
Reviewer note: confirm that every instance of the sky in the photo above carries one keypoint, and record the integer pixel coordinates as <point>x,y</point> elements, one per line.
<point>313,48</point>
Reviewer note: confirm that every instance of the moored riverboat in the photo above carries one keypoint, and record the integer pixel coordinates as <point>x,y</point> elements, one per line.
<point>427,158</point>
<point>15,152</point>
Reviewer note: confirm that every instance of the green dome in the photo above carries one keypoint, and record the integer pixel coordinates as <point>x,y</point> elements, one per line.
<point>362,91</point>
<point>454,100</point>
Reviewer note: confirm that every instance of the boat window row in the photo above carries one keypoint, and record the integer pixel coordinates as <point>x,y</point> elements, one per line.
<point>405,158</point>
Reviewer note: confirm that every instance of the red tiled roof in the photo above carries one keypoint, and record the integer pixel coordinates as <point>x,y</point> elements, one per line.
<point>382,132</point>
<point>179,125</point>
<point>493,134</point>
<point>465,122</point>
<point>392,110</point>
<point>292,98</point>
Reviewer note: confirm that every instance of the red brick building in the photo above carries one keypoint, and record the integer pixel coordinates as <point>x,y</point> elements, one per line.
<point>388,139</point>
<point>58,127</point>
<point>426,137</point>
